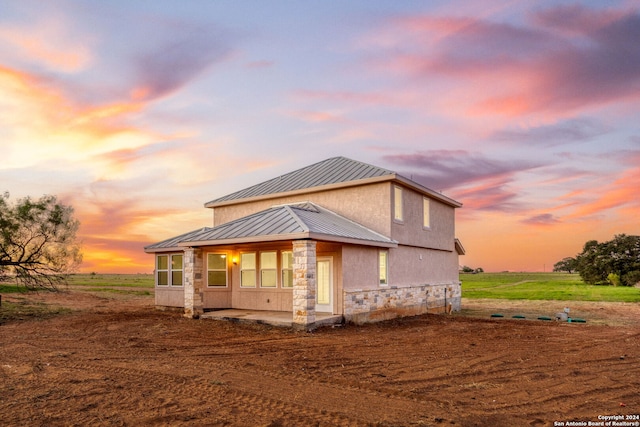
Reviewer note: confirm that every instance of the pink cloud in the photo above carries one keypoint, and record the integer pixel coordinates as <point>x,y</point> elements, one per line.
<point>543,220</point>
<point>177,61</point>
<point>529,68</point>
<point>480,183</point>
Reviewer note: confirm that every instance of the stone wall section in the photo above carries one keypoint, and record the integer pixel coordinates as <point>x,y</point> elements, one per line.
<point>193,283</point>
<point>371,305</point>
<point>304,283</point>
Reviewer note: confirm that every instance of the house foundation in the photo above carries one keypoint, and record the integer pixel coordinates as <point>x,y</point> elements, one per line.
<point>362,306</point>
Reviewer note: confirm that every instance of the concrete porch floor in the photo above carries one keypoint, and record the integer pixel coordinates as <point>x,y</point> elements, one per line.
<point>274,318</point>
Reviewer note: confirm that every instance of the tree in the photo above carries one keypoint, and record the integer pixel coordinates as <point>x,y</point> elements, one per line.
<point>38,241</point>
<point>614,262</point>
<point>567,264</point>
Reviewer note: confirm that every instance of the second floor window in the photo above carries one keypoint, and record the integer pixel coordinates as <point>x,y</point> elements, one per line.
<point>397,204</point>
<point>426,213</point>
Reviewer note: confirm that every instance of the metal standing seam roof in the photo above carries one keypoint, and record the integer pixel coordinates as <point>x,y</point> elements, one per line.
<point>335,170</point>
<point>284,222</point>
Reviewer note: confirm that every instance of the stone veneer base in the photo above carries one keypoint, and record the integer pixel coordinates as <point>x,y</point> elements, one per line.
<point>372,305</point>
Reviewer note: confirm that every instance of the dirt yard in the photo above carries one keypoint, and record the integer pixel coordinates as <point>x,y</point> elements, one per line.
<point>118,361</point>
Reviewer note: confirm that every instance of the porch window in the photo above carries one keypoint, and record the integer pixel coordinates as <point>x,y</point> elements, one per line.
<point>169,270</point>
<point>287,269</point>
<point>162,270</point>
<point>426,214</point>
<point>248,270</point>
<point>217,270</point>
<point>176,270</point>
<point>268,269</point>
<point>384,267</point>
<point>397,204</point>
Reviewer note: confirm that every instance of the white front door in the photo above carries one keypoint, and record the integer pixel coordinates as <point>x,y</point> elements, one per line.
<point>324,293</point>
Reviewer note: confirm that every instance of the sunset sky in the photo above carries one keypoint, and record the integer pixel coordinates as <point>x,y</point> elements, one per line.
<point>137,113</point>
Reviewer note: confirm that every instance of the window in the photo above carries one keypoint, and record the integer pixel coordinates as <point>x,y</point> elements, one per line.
<point>248,270</point>
<point>287,269</point>
<point>397,204</point>
<point>268,269</point>
<point>176,270</point>
<point>383,267</point>
<point>162,270</point>
<point>169,270</point>
<point>217,270</point>
<point>426,214</point>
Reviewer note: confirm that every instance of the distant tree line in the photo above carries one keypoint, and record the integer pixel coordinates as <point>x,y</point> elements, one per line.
<point>467,269</point>
<point>616,262</point>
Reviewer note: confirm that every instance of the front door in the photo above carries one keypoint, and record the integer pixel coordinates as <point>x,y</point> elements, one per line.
<point>324,294</point>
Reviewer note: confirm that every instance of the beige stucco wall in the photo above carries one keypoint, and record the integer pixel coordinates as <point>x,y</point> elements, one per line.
<point>369,205</point>
<point>410,231</point>
<point>169,296</point>
<point>418,266</point>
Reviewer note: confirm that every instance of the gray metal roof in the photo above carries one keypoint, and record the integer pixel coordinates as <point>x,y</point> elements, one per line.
<point>284,222</point>
<point>335,170</point>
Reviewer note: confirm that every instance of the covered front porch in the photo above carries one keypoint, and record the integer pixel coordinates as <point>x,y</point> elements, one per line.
<point>287,258</point>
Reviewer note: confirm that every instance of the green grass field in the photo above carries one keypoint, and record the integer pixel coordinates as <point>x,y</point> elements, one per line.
<point>542,286</point>
<point>105,285</point>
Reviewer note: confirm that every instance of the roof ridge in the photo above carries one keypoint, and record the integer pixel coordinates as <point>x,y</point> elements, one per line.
<point>296,218</point>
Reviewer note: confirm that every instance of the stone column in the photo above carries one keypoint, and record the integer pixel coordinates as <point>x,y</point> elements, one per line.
<point>304,283</point>
<point>192,272</point>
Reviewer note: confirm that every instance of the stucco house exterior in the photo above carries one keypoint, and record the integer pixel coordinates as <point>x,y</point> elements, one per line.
<point>339,236</point>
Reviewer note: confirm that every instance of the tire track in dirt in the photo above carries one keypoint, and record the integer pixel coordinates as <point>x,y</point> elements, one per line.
<point>297,402</point>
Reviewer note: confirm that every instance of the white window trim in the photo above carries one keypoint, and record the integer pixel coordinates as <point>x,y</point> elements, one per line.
<point>426,201</point>
<point>386,253</point>
<point>397,190</point>
<point>255,270</point>
<point>275,269</point>
<point>169,271</point>
<point>226,270</point>
<point>282,269</point>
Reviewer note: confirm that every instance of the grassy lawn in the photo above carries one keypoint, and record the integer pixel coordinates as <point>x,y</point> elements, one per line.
<point>105,285</point>
<point>112,280</point>
<point>542,286</point>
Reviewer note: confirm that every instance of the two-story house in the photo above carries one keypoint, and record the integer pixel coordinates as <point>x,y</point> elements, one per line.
<point>339,236</point>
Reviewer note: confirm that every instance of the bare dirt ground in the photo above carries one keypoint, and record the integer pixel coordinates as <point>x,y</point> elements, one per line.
<point>118,361</point>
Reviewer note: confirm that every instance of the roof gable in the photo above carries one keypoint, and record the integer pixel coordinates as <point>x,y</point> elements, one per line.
<point>284,222</point>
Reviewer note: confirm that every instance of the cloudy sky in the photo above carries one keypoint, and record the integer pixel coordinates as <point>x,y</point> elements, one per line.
<point>137,113</point>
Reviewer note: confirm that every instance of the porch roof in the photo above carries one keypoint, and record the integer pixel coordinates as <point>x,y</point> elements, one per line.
<point>283,222</point>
